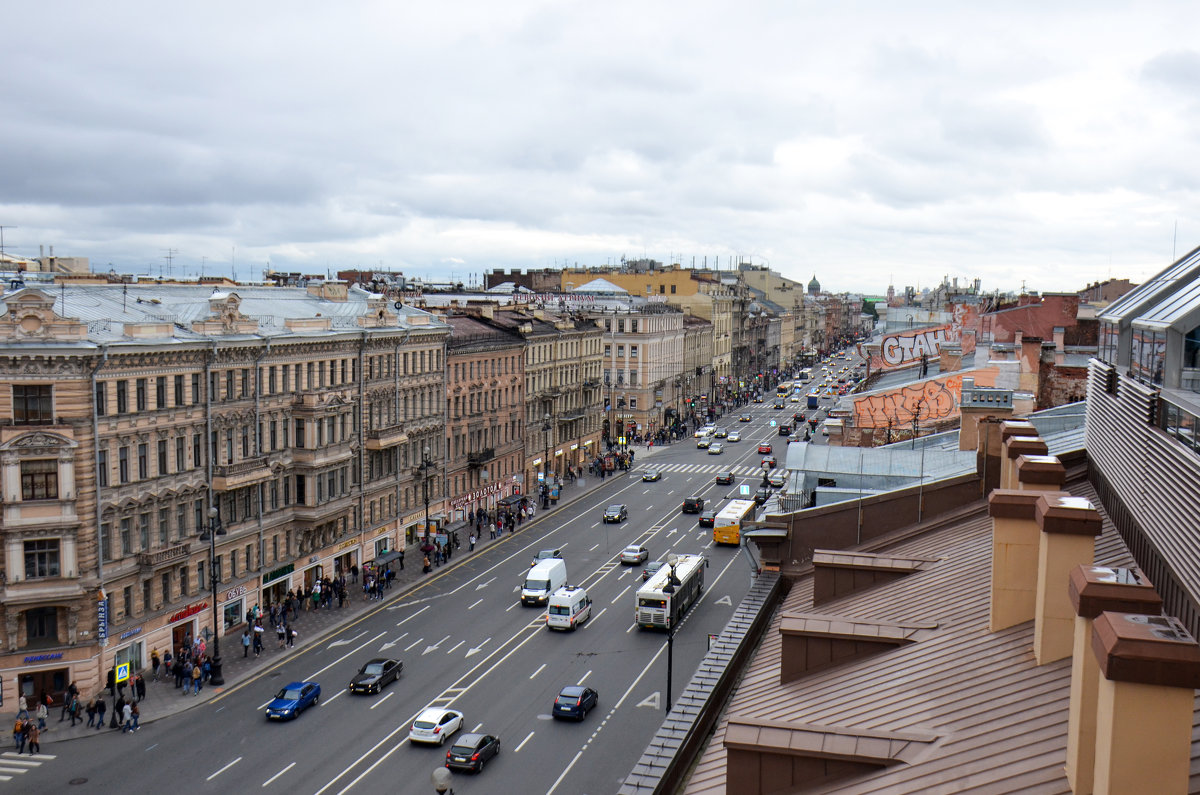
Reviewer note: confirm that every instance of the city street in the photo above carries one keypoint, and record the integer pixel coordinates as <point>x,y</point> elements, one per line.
<point>467,644</point>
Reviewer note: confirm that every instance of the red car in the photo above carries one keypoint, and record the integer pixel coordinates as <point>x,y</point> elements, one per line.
<point>768,463</point>
<point>764,448</point>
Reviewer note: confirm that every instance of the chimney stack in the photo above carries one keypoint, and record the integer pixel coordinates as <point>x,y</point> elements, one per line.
<point>1145,708</point>
<point>1016,537</point>
<point>1095,590</point>
<point>1014,448</point>
<point>1069,528</point>
<point>1040,473</point>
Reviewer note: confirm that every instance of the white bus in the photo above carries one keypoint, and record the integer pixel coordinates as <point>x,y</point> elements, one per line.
<point>662,607</point>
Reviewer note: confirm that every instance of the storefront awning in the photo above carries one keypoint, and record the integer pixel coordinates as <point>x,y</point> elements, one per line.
<point>387,557</point>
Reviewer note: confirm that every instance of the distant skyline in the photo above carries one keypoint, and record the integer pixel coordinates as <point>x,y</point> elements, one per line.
<point>869,143</point>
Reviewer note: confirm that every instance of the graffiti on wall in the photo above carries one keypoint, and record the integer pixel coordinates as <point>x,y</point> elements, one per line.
<point>907,348</point>
<point>932,401</point>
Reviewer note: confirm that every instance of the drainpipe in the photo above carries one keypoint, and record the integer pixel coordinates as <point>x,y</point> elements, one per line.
<point>96,466</point>
<point>262,544</point>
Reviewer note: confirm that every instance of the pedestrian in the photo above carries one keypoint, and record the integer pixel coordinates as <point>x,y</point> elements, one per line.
<point>258,644</point>
<point>42,713</point>
<point>292,633</point>
<point>197,673</point>
<point>354,574</point>
<point>100,708</point>
<point>72,692</point>
<point>154,663</point>
<point>400,560</point>
<point>135,713</point>
<point>471,543</point>
<point>91,711</point>
<point>18,733</point>
<point>118,713</point>
<point>22,708</point>
<point>246,642</point>
<point>167,662</point>
<point>426,568</point>
<point>22,735</point>
<point>206,669</point>
<point>139,687</point>
<point>35,740</point>
<point>281,635</point>
<point>126,718</point>
<point>74,711</point>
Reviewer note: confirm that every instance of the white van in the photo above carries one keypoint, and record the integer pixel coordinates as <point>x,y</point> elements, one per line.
<point>542,580</point>
<point>569,607</point>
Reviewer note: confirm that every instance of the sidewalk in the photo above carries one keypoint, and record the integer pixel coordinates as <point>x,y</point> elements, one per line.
<point>163,699</point>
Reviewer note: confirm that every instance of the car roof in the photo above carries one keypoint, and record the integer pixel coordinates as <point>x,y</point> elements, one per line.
<point>377,660</point>
<point>572,690</point>
<point>469,739</point>
<point>297,685</point>
<point>638,547</point>
<point>617,505</point>
<point>430,713</point>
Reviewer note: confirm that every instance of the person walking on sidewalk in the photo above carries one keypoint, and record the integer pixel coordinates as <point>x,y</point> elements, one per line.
<point>135,713</point>
<point>100,710</point>
<point>139,688</point>
<point>154,663</point>
<point>196,674</point>
<point>292,633</point>
<point>246,642</point>
<point>72,692</point>
<point>41,713</point>
<point>471,542</point>
<point>91,711</point>
<point>126,718</point>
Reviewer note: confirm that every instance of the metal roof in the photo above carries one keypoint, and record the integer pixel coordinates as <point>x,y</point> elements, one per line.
<point>999,720</point>
<point>1178,307</point>
<point>1129,306</point>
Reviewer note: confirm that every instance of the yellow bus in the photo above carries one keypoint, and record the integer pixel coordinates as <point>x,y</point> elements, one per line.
<point>727,528</point>
<point>784,389</point>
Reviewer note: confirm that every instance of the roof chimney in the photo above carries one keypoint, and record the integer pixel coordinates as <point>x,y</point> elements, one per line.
<point>1095,590</point>
<point>1040,473</point>
<point>1069,529</point>
<point>1144,712</point>
<point>1014,448</point>
<point>1016,537</point>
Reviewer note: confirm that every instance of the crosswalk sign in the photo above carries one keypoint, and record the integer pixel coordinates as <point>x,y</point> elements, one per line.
<point>744,490</point>
<point>772,423</point>
<point>123,672</point>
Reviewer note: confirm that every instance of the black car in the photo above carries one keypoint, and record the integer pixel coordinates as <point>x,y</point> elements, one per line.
<point>693,504</point>
<point>616,513</point>
<point>470,751</point>
<point>725,478</point>
<point>375,675</point>
<point>575,702</point>
<point>707,518</point>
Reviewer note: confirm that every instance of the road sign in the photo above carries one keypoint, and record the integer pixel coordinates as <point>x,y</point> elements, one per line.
<point>123,672</point>
<point>744,490</point>
<point>772,423</point>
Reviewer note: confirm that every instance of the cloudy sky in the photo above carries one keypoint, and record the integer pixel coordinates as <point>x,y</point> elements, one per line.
<point>1049,144</point>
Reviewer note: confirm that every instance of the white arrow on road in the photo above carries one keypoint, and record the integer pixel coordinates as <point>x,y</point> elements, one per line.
<point>477,649</point>
<point>392,643</point>
<point>485,584</point>
<point>347,641</point>
<point>434,646</point>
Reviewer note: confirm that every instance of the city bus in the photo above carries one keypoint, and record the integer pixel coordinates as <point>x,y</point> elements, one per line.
<point>660,607</point>
<point>784,389</point>
<point>727,527</point>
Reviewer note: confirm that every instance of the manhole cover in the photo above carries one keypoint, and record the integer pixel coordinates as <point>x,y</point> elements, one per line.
<point>78,781</point>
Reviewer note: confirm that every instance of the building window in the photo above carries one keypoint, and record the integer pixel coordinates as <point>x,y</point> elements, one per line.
<point>197,451</point>
<point>633,351</point>
<point>126,536</point>
<point>39,480</point>
<point>41,626</point>
<point>160,392</point>
<point>141,394</point>
<point>41,558</point>
<point>33,404</point>
<point>195,389</point>
<point>122,397</point>
<point>147,603</point>
<point>162,457</point>
<point>102,468</point>
<point>106,541</point>
<point>143,453</point>
<point>164,526</point>
<point>633,403</point>
<point>144,531</point>
<point>183,581</point>
<point>123,464</point>
<point>179,397</point>
<point>180,453</point>
<point>101,399</point>
<point>166,586</point>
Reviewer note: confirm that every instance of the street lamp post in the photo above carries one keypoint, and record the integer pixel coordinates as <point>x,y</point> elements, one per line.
<point>669,588</point>
<point>214,529</point>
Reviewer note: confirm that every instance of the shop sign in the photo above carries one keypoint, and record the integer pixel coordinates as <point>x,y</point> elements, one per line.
<point>187,612</point>
<point>479,494</point>
<point>129,633</point>
<point>574,447</point>
<point>44,657</point>
<point>382,530</point>
<point>234,593</point>
<point>348,544</point>
<point>282,571</point>
<point>102,617</point>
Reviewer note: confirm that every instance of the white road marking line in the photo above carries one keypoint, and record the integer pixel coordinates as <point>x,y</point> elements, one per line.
<point>13,770</point>
<point>510,607</point>
<point>566,770</point>
<point>385,698</point>
<point>414,615</point>
<point>583,678</point>
<point>618,596</point>
<point>477,603</point>
<point>353,651</point>
<point>264,704</point>
<point>280,773</point>
<point>589,623</point>
<point>632,627</point>
<point>593,549</point>
<point>541,668</point>
<point>522,745</point>
<point>416,642</point>
<point>33,756</point>
<point>331,698</point>
<point>478,726</point>
<point>222,770</point>
<point>456,645</point>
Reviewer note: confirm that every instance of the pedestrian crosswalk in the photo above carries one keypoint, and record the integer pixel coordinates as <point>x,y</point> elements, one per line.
<point>13,764</point>
<point>703,469</point>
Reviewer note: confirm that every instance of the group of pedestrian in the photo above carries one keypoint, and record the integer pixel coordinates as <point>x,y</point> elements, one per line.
<point>375,581</point>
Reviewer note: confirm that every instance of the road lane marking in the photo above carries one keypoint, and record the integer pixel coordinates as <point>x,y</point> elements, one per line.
<point>589,623</point>
<point>478,726</point>
<point>583,678</point>
<point>355,650</point>
<point>618,596</point>
<point>566,770</point>
<point>522,745</point>
<point>593,549</point>
<point>331,698</point>
<point>390,643</point>
<point>222,770</point>
<point>477,603</point>
<point>345,641</point>
<point>538,671</point>
<point>416,642</point>
<point>280,773</point>
<point>510,607</point>
<point>456,645</point>
<point>385,698</point>
<point>414,615</point>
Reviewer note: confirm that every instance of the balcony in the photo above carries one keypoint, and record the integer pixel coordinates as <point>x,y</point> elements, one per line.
<point>389,436</point>
<point>321,456</point>
<point>149,561</point>
<point>480,457</point>
<point>227,477</point>
<point>308,516</point>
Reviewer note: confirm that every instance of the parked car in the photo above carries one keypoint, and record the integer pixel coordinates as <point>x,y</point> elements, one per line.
<point>707,518</point>
<point>434,725</point>
<point>616,512</point>
<point>651,567</point>
<point>693,504</point>
<point>293,699</point>
<point>375,675</point>
<point>651,475</point>
<point>545,554</point>
<point>634,554</point>
<point>725,478</point>
<point>576,702</point>
<point>470,751</point>
<point>765,447</point>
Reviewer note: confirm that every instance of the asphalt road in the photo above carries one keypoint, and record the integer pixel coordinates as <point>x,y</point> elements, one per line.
<point>467,644</point>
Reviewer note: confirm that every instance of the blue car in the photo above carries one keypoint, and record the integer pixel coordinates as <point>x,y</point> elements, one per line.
<point>293,699</point>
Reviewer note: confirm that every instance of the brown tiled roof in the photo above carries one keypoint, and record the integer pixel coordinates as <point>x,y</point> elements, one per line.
<point>999,719</point>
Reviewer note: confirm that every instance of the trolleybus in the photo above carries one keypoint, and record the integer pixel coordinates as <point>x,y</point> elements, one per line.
<point>663,602</point>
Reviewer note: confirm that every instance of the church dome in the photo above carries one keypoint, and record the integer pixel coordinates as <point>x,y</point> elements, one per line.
<point>814,286</point>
